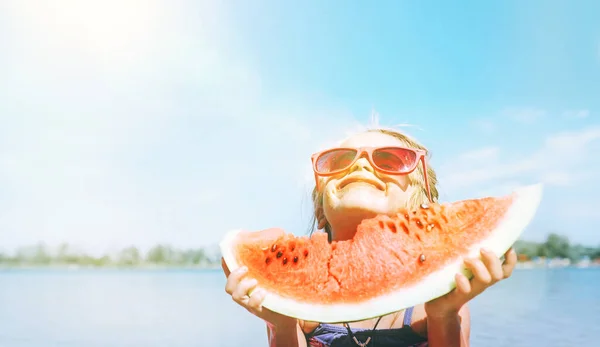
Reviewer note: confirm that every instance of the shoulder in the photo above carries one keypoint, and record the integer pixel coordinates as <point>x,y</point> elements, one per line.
<point>465,319</point>
<point>307,327</point>
<point>419,319</point>
<point>465,313</point>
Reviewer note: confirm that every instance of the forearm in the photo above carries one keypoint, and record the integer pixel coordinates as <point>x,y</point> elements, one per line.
<point>285,335</point>
<point>446,332</point>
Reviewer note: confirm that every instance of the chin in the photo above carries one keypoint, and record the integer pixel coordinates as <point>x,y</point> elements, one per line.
<point>363,200</point>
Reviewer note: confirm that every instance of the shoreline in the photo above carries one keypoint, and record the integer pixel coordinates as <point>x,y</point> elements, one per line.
<point>214,267</point>
<point>74,267</point>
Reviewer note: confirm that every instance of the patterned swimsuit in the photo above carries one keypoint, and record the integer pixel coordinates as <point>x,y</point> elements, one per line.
<point>327,335</point>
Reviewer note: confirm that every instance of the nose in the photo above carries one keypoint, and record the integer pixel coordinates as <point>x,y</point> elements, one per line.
<point>362,164</point>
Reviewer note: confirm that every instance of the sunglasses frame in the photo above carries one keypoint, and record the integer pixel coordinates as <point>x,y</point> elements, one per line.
<point>361,151</point>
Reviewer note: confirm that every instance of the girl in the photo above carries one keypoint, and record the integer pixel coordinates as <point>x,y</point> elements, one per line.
<point>375,172</point>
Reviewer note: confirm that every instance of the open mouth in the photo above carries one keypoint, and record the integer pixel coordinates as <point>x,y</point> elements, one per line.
<point>360,179</point>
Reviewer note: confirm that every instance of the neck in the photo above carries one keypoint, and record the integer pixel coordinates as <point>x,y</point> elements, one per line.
<point>345,228</point>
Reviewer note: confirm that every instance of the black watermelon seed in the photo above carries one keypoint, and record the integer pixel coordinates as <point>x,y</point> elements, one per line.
<point>279,254</point>
<point>284,261</point>
<point>295,259</point>
<point>274,248</point>
<point>268,260</point>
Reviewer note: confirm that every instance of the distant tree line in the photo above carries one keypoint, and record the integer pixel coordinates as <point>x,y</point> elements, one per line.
<point>159,255</point>
<point>555,246</point>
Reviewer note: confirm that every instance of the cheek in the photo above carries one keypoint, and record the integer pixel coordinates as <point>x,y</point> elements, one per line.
<point>399,195</point>
<point>402,182</point>
<point>399,191</point>
<point>327,186</point>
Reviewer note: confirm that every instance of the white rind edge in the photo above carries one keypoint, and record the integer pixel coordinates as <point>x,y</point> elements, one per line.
<point>522,211</point>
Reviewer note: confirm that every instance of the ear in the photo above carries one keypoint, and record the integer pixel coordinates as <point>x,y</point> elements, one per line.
<point>321,220</point>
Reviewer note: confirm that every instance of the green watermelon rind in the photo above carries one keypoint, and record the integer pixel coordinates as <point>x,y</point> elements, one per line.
<point>508,230</point>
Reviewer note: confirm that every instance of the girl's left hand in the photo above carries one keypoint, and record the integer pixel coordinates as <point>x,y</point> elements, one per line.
<point>487,271</point>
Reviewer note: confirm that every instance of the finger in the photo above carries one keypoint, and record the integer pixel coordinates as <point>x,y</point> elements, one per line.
<point>509,263</point>
<point>240,294</point>
<point>493,265</point>
<point>463,285</point>
<point>225,268</point>
<point>234,278</point>
<point>256,299</point>
<point>480,273</point>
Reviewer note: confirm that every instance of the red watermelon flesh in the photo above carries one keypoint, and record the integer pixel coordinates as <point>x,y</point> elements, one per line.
<point>391,263</point>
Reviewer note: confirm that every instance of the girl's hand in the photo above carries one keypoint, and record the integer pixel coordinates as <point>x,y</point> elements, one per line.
<point>486,272</point>
<point>238,286</point>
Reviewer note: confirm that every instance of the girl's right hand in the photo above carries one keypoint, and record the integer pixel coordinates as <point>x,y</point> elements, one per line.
<point>238,286</point>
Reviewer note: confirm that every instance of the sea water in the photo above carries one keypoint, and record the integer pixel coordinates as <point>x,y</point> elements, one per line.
<point>110,308</point>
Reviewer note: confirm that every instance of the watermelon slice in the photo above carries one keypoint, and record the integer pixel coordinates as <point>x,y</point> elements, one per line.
<point>393,262</point>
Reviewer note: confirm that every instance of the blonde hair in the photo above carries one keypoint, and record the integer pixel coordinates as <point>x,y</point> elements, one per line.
<point>416,179</point>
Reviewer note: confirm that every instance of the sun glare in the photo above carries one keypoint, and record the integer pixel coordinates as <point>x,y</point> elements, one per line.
<point>105,31</point>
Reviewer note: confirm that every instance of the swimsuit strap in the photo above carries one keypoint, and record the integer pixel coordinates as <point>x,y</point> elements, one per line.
<point>408,316</point>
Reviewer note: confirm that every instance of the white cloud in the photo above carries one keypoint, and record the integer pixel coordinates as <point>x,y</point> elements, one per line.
<point>484,125</point>
<point>486,153</point>
<point>500,189</point>
<point>564,159</point>
<point>576,114</point>
<point>575,142</point>
<point>145,130</point>
<point>523,115</point>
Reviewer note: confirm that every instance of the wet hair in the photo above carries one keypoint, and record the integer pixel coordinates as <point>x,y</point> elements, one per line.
<point>416,179</point>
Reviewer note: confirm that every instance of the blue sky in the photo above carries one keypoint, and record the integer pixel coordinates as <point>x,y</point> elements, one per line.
<point>142,122</point>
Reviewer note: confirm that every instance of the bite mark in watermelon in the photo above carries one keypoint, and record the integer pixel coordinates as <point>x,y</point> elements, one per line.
<point>393,262</point>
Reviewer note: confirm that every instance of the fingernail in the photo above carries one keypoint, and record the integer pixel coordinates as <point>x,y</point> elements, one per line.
<point>485,251</point>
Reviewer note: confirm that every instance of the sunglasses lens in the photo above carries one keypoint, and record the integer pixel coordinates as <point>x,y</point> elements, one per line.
<point>337,159</point>
<point>395,159</point>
